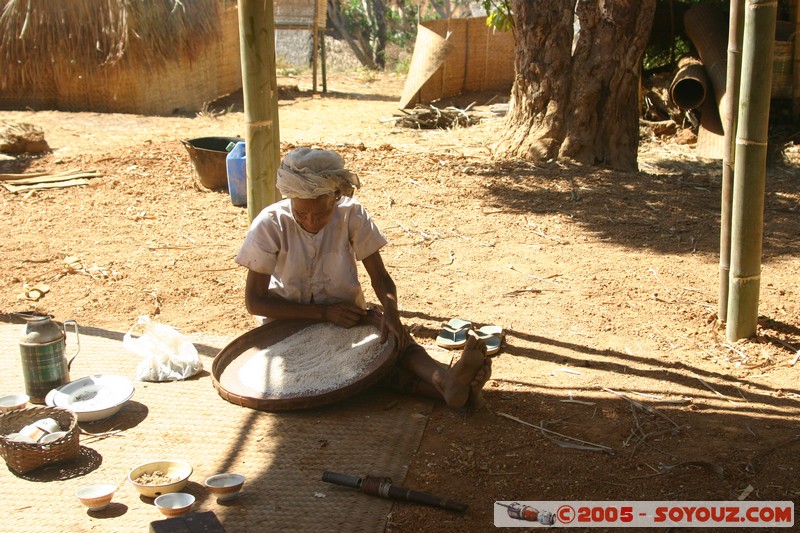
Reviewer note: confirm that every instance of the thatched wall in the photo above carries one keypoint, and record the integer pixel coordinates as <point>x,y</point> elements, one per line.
<point>151,57</point>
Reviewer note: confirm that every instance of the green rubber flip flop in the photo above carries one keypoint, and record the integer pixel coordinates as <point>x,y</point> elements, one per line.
<point>454,333</point>
<point>492,336</point>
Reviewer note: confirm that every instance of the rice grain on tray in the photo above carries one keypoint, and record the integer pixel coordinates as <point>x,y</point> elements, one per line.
<point>316,359</point>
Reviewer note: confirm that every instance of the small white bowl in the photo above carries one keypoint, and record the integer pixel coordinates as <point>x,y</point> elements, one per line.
<point>48,424</point>
<point>16,437</point>
<point>96,497</point>
<point>12,402</point>
<point>174,503</point>
<point>52,437</point>
<point>225,486</point>
<point>32,432</point>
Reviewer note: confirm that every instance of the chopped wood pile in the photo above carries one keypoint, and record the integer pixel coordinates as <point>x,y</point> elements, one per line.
<point>430,117</point>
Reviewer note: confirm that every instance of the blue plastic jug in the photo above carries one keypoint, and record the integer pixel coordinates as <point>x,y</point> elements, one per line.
<point>236,164</point>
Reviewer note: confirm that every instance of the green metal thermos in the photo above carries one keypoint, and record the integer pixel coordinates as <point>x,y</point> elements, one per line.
<point>43,350</point>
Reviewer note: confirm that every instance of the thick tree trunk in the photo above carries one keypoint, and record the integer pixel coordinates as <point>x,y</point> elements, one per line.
<point>579,106</point>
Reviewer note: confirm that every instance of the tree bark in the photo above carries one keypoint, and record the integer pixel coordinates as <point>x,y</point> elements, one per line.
<point>577,105</point>
<point>379,9</point>
<point>363,53</point>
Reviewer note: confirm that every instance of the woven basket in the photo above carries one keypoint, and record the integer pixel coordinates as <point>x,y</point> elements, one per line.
<point>24,457</point>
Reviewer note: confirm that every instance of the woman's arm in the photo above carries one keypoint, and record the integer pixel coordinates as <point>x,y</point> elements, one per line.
<point>385,289</point>
<point>259,302</point>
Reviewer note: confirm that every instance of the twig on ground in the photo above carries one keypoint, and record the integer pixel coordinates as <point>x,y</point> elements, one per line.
<point>658,279</point>
<point>579,402</point>
<point>219,269</point>
<point>415,204</point>
<point>750,467</point>
<point>530,289</point>
<point>611,482</point>
<point>643,407</point>
<point>638,432</point>
<point>681,401</point>
<point>153,247</point>
<point>585,444</point>
<point>94,437</point>
<point>647,395</point>
<point>783,343</point>
<point>546,279</point>
<point>538,231</point>
<point>101,434</point>
<point>734,350</point>
<point>712,389</point>
<point>746,492</point>
<point>651,467</point>
<point>702,464</point>
<point>647,436</point>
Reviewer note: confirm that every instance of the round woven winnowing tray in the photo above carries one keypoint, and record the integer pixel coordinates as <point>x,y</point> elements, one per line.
<point>228,383</point>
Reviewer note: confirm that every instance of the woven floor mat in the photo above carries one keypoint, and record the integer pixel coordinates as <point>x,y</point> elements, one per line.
<point>282,455</point>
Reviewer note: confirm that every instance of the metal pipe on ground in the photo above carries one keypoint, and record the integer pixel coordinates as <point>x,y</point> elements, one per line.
<point>689,87</point>
<point>707,27</point>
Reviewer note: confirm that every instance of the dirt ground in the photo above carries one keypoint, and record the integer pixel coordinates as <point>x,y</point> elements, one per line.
<point>606,285</point>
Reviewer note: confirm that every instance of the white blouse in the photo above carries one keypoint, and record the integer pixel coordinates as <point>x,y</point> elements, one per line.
<point>312,268</point>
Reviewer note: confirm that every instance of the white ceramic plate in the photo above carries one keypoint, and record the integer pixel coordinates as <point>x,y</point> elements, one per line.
<point>93,397</point>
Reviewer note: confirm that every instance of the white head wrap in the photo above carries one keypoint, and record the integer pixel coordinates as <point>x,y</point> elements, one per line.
<point>311,173</point>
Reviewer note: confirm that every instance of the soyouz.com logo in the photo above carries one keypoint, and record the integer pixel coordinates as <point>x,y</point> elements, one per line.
<point>644,514</point>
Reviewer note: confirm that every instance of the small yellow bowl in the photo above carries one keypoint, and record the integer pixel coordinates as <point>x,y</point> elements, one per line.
<point>225,486</point>
<point>179,471</point>
<point>96,497</point>
<point>174,503</point>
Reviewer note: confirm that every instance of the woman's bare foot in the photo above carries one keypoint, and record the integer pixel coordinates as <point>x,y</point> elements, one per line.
<point>460,379</point>
<point>475,400</point>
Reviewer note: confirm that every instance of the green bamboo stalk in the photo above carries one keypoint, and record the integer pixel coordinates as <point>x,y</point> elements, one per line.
<point>260,90</point>
<point>747,221</point>
<point>735,30</point>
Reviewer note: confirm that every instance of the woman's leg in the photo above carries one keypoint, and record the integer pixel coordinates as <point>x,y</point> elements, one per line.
<point>457,385</point>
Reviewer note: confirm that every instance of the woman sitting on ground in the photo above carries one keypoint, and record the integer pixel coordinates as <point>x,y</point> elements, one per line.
<point>301,254</point>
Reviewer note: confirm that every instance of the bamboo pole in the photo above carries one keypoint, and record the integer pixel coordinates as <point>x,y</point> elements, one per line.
<point>735,30</point>
<point>315,45</point>
<point>323,59</point>
<point>747,221</point>
<point>260,90</point>
<point>796,62</point>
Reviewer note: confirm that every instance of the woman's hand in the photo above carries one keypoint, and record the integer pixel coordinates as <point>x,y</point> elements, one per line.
<point>345,315</point>
<point>391,325</point>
